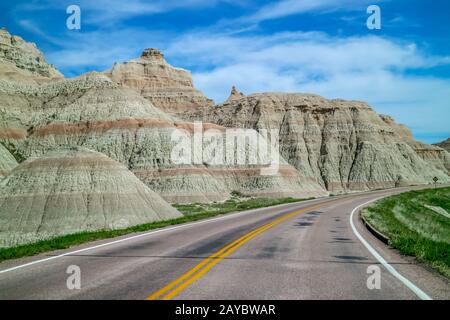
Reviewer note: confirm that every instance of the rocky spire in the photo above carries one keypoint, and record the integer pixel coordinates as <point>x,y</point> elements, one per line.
<point>235,95</point>
<point>152,54</point>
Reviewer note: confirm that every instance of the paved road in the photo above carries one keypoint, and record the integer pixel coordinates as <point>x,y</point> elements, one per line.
<point>305,250</point>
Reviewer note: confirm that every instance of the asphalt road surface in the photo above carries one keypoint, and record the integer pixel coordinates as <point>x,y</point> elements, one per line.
<point>306,250</point>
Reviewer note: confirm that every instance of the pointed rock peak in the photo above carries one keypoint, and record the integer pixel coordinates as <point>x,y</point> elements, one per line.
<point>235,94</point>
<point>152,54</point>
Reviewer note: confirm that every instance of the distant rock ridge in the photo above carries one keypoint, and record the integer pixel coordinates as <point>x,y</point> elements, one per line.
<point>169,89</point>
<point>434,154</point>
<point>20,59</point>
<point>444,145</point>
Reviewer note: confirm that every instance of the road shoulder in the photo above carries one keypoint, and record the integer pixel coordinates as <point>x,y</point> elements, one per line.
<point>424,277</point>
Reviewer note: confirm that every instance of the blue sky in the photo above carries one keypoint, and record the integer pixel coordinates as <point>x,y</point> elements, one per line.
<point>316,46</point>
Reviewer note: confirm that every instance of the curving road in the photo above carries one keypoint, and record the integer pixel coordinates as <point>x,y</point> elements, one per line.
<point>306,250</point>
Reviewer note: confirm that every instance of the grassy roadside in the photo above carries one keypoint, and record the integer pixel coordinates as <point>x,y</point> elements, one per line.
<point>237,203</point>
<point>192,212</point>
<point>417,224</point>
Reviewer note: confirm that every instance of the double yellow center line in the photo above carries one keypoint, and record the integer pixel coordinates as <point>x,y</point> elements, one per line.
<point>177,286</point>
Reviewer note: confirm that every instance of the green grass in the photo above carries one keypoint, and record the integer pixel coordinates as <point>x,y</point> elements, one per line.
<point>192,212</point>
<point>414,229</point>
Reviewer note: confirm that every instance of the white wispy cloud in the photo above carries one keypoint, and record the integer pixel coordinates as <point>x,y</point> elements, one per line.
<point>285,8</point>
<point>110,12</point>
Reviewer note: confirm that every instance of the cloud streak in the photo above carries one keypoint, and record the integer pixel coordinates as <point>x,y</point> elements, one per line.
<point>286,8</point>
<point>109,12</point>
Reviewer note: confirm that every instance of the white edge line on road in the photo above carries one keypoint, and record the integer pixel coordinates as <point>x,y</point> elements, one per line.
<point>422,295</point>
<point>228,216</point>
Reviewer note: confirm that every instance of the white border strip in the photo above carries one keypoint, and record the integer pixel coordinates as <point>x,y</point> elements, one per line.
<point>186,225</point>
<point>422,295</point>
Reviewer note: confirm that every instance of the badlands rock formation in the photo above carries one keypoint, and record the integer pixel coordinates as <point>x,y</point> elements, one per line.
<point>131,112</point>
<point>71,190</point>
<point>93,112</point>
<point>344,145</point>
<point>169,89</point>
<point>97,113</point>
<point>444,144</point>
